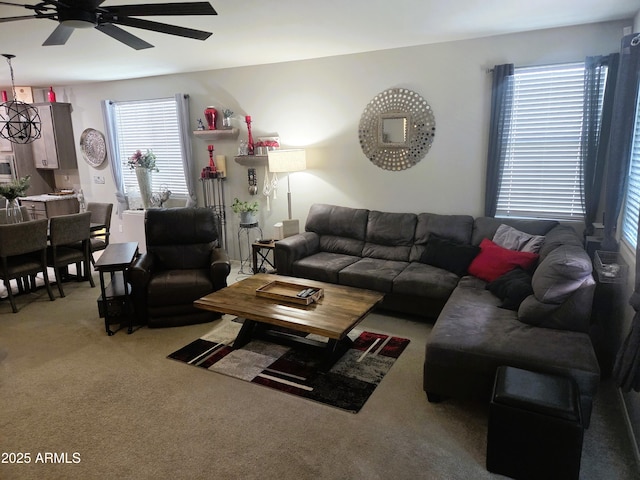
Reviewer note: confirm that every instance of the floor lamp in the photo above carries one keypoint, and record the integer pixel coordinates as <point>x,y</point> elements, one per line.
<point>287,161</point>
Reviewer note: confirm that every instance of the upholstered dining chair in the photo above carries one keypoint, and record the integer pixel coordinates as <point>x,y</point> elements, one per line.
<point>183,262</point>
<point>23,253</point>
<point>100,214</point>
<point>64,232</point>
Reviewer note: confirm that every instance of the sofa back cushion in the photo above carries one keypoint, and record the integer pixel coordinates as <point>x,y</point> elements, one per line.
<point>389,235</point>
<point>561,273</point>
<point>558,236</point>
<point>341,229</point>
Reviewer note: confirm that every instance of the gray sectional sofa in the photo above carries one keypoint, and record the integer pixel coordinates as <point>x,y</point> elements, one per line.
<point>535,316</point>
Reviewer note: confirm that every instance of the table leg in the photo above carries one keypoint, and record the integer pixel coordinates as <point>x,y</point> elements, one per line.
<point>104,305</point>
<point>245,333</point>
<point>334,350</point>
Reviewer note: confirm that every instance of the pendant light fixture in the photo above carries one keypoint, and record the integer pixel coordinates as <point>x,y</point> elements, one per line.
<point>19,121</point>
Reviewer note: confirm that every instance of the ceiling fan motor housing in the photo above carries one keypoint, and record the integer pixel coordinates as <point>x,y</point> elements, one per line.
<point>77,18</point>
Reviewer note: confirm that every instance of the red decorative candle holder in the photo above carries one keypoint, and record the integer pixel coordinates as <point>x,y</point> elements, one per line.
<point>250,145</point>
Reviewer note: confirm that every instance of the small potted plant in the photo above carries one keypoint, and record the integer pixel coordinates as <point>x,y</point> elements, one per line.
<point>248,211</point>
<point>226,118</point>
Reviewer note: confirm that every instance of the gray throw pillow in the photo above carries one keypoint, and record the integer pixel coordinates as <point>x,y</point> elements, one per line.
<point>514,239</point>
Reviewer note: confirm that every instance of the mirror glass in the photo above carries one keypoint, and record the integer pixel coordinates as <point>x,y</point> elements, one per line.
<point>394,130</point>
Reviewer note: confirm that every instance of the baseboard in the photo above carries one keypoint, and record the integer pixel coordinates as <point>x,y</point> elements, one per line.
<point>629,425</point>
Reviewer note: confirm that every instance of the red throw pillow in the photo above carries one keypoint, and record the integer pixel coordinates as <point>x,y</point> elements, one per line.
<point>494,261</point>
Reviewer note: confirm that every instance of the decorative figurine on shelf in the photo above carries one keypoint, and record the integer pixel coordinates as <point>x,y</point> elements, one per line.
<point>226,118</point>
<point>210,115</point>
<point>51,95</point>
<point>250,146</point>
<point>200,124</point>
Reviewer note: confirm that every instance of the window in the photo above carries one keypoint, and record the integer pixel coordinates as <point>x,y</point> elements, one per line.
<point>542,174</point>
<point>153,125</point>
<point>632,203</point>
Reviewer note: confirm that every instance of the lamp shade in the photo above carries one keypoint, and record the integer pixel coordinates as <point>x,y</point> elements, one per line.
<point>287,160</point>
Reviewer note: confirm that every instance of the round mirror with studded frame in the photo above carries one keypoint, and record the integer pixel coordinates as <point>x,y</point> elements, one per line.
<point>396,129</point>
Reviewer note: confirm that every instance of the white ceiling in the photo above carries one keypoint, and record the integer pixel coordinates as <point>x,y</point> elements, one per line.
<point>250,32</point>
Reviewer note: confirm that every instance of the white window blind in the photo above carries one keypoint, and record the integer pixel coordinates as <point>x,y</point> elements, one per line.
<point>632,202</point>
<point>153,125</point>
<point>541,176</point>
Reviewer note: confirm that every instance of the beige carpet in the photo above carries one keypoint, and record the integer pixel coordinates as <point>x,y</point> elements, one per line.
<point>130,413</point>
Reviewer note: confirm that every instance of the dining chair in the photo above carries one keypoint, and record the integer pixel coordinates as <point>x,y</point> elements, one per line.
<point>23,284</point>
<point>64,232</point>
<point>100,214</point>
<point>23,253</point>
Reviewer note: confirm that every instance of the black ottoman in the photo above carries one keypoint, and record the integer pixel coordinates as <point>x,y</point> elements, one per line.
<point>535,429</point>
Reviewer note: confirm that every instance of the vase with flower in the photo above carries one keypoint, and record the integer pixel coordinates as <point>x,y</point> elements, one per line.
<point>11,191</point>
<point>144,164</point>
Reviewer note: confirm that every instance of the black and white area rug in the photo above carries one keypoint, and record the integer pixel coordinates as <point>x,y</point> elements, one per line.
<point>347,385</point>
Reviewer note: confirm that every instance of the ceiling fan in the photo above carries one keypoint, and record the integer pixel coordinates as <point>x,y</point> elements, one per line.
<point>72,14</point>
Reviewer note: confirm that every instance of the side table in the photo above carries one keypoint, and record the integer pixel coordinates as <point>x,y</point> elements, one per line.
<point>114,302</point>
<point>257,251</point>
<point>245,229</point>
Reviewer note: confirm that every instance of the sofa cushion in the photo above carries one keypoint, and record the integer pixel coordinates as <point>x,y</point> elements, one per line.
<point>574,314</point>
<point>512,288</point>
<point>323,266</point>
<point>514,239</point>
<point>341,245</point>
<point>494,261</point>
<point>561,273</point>
<point>389,235</point>
<point>338,221</point>
<point>452,256</point>
<point>371,273</point>
<point>558,236</point>
<point>425,281</point>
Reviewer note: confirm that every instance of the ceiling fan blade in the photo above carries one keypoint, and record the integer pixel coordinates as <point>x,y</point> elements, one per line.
<point>59,36</point>
<point>123,36</point>
<point>163,28</point>
<point>12,19</point>
<point>150,9</point>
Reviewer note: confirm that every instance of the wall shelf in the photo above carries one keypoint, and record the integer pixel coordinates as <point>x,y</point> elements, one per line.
<point>252,160</point>
<point>219,134</point>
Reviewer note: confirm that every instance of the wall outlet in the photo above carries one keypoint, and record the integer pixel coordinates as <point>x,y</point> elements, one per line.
<point>120,228</point>
<point>98,179</point>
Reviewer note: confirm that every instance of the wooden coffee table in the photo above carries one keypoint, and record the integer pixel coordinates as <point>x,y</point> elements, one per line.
<point>333,316</point>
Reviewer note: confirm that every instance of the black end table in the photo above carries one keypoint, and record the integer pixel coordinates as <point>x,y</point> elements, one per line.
<point>114,303</point>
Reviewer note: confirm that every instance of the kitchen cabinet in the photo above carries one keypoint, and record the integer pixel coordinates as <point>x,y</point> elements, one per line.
<point>56,147</point>
<point>47,206</point>
<point>42,181</point>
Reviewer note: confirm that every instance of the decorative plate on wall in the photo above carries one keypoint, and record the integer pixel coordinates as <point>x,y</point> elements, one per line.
<point>93,146</point>
<point>397,129</point>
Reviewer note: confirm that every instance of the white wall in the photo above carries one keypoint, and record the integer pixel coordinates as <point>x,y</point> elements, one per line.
<point>317,104</point>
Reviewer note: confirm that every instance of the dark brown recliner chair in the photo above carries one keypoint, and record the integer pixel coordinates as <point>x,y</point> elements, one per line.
<point>183,263</point>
